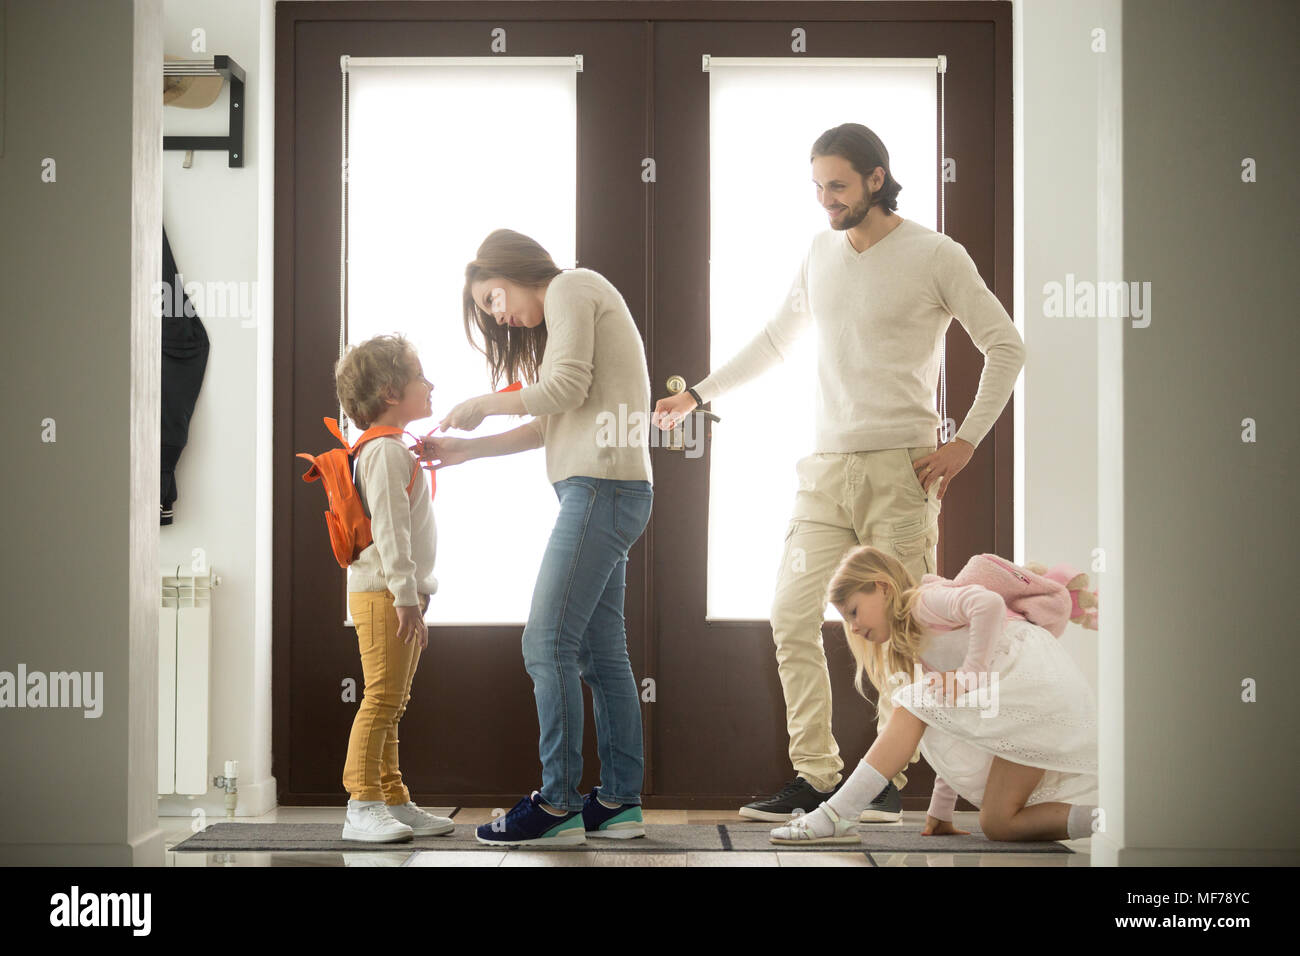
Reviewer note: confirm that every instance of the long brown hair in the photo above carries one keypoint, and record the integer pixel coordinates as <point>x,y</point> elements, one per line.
<point>863,569</point>
<point>513,354</point>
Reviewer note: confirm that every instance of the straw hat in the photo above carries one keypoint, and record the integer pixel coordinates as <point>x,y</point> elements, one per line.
<point>191,92</point>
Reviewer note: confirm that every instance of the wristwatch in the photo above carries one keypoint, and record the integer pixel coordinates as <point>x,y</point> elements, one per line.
<point>695,395</point>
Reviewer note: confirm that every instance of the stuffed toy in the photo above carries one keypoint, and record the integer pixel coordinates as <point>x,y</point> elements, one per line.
<point>1084,603</point>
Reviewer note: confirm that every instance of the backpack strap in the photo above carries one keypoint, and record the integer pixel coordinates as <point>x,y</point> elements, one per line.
<point>433,481</point>
<point>333,425</point>
<point>312,473</point>
<point>384,431</point>
<point>375,431</point>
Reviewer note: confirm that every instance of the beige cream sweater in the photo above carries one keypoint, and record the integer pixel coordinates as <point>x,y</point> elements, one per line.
<point>593,385</point>
<point>880,316</point>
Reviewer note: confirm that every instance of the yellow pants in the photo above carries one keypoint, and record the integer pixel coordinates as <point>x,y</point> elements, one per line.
<point>844,500</point>
<point>387,665</point>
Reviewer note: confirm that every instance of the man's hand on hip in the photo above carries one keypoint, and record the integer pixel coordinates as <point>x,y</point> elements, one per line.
<point>943,463</point>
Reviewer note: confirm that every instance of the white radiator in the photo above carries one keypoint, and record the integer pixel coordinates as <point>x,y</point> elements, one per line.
<point>184,632</point>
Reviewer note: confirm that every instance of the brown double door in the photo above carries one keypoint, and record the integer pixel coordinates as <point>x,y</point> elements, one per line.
<point>715,731</point>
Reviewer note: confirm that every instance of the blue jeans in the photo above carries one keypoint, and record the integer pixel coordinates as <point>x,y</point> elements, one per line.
<point>575,632</point>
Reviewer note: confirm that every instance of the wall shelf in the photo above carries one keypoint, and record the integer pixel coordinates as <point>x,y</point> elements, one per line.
<point>233,141</point>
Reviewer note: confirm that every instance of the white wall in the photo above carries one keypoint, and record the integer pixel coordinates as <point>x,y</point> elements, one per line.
<point>1208,524</point>
<point>1056,130</point>
<point>219,222</point>
<point>81,198</point>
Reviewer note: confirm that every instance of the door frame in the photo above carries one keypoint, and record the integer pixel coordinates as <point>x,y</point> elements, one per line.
<point>917,20</point>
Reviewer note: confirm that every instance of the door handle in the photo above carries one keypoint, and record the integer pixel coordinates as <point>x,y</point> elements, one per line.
<point>676,384</point>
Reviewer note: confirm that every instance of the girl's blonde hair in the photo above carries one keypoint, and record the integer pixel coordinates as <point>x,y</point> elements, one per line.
<point>370,372</point>
<point>864,569</point>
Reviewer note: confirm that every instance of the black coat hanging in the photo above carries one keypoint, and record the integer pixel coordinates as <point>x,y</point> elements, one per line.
<point>184,357</point>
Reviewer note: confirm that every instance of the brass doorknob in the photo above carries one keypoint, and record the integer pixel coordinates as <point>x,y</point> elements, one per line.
<point>676,385</point>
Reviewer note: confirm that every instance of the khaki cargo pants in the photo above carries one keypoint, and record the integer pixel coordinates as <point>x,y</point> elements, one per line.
<point>844,500</point>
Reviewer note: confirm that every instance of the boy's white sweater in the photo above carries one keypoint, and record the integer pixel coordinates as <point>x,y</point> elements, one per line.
<point>880,316</point>
<point>400,558</point>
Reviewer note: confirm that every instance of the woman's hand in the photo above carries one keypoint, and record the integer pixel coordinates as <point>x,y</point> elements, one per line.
<point>934,827</point>
<point>669,411</point>
<point>446,450</point>
<point>943,463</point>
<point>468,415</point>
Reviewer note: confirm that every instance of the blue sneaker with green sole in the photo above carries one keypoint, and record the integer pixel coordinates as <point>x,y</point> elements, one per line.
<point>623,822</point>
<point>528,824</point>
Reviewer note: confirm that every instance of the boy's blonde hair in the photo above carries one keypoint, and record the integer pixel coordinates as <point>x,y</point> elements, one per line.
<point>863,569</point>
<point>368,373</point>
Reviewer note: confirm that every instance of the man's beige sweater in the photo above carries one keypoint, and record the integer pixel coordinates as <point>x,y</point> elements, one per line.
<point>881,315</point>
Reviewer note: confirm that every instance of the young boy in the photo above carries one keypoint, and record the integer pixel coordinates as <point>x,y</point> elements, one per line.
<point>381,382</point>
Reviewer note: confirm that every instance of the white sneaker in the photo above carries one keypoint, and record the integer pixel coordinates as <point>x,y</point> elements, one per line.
<point>797,830</point>
<point>421,822</point>
<point>370,822</point>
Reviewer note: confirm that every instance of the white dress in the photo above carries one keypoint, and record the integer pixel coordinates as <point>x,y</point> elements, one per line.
<point>1037,710</point>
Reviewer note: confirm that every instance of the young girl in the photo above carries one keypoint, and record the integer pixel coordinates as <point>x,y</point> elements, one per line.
<point>1017,738</point>
<point>569,333</point>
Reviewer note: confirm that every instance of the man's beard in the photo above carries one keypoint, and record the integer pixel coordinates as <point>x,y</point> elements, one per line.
<point>853,217</point>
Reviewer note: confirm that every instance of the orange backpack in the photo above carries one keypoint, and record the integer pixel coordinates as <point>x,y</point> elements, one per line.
<point>348,523</point>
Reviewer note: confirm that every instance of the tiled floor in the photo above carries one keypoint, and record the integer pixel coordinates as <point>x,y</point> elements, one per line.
<point>178,828</point>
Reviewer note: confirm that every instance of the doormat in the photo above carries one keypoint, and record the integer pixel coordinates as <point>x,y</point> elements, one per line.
<point>287,837</point>
<point>659,838</point>
<point>895,838</point>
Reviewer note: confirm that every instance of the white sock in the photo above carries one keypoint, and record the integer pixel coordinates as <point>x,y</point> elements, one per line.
<point>608,806</point>
<point>1079,823</point>
<point>856,793</point>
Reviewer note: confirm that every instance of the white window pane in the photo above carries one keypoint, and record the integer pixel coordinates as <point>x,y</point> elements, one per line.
<point>439,157</point>
<point>764,214</point>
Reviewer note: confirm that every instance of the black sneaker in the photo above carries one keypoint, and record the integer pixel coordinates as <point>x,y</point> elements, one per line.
<point>886,808</point>
<point>798,794</point>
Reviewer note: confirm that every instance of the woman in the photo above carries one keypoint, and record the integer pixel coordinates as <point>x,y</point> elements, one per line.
<point>570,335</point>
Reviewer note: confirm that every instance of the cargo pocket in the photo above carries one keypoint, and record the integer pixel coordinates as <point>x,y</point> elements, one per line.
<point>914,545</point>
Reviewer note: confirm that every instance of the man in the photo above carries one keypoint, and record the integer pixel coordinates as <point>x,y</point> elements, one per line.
<point>883,289</point>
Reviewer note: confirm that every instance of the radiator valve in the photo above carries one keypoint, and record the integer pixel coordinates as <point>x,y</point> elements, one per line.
<point>227,782</point>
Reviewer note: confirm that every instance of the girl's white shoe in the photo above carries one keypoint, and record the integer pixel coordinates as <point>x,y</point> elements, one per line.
<point>803,829</point>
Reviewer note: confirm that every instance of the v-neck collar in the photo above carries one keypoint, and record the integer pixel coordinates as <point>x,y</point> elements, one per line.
<point>855,255</point>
